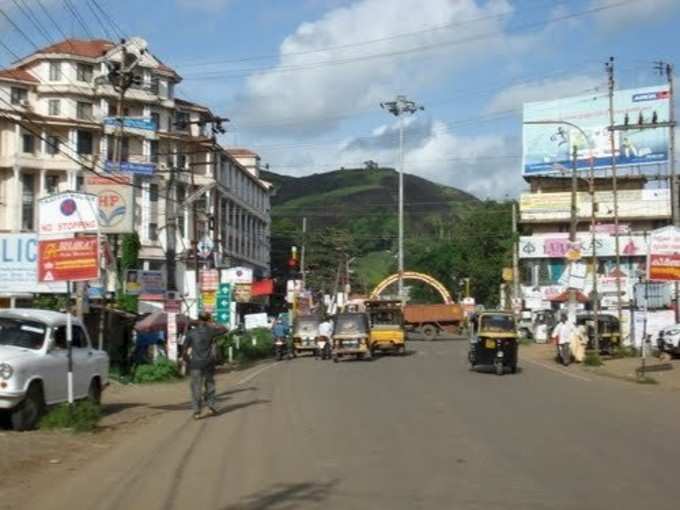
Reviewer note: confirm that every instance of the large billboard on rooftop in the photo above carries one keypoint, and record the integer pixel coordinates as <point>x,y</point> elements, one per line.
<point>547,148</point>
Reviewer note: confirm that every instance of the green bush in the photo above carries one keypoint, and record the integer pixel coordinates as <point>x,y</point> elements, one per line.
<point>263,347</point>
<point>592,359</point>
<point>82,417</point>
<point>161,371</point>
<point>624,351</point>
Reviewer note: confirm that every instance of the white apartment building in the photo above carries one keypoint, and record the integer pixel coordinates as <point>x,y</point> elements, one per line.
<point>56,109</point>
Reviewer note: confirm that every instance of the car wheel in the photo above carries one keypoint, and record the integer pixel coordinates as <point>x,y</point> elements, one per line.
<point>94,393</point>
<point>27,414</point>
<point>429,332</point>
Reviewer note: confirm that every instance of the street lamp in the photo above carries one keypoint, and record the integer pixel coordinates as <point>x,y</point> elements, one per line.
<point>572,229</point>
<point>398,108</point>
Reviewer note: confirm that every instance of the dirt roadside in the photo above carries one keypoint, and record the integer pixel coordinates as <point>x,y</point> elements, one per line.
<point>623,369</point>
<point>27,456</point>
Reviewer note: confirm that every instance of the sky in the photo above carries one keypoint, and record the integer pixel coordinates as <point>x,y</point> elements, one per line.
<point>302,80</point>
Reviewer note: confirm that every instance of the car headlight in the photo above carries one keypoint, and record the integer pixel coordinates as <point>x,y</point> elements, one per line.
<point>6,371</point>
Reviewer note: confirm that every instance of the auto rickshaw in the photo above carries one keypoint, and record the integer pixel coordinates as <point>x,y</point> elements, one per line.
<point>493,341</point>
<point>350,336</point>
<point>609,329</point>
<point>387,326</point>
<point>305,331</point>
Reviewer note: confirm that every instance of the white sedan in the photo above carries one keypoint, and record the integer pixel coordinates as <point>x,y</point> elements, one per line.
<point>34,364</point>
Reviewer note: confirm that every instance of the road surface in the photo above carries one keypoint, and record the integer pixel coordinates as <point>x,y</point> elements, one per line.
<point>420,431</point>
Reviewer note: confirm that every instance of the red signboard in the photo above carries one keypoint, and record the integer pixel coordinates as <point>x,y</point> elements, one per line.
<point>75,259</point>
<point>209,279</point>
<point>263,288</point>
<point>664,267</point>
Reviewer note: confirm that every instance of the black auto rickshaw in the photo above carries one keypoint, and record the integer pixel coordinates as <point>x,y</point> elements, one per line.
<point>350,336</point>
<point>305,331</point>
<point>609,329</point>
<point>493,341</point>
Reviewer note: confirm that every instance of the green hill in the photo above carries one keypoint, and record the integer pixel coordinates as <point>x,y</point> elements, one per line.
<point>353,212</point>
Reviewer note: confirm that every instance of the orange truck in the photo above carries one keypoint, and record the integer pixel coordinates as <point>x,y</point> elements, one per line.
<point>433,321</point>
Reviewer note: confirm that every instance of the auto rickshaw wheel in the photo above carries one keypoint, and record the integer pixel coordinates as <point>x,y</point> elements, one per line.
<point>513,369</point>
<point>335,358</point>
<point>500,369</point>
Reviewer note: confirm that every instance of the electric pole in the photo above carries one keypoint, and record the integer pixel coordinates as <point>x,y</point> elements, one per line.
<point>400,106</point>
<point>302,251</point>
<point>609,66</point>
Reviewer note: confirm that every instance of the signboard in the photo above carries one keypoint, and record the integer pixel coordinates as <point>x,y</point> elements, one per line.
<point>507,274</point>
<point>209,279</point>
<point>153,285</point>
<point>74,259</point>
<point>664,254</point>
<point>172,336</point>
<point>646,203</point>
<point>205,247</point>
<point>256,320</point>
<point>130,167</point>
<point>172,306</point>
<point>19,267</point>
<point>132,123</point>
<point>223,304</point>
<point>115,201</point>
<point>557,245</point>
<point>547,148</point>
<point>237,275</point>
<point>208,301</point>
<point>242,293</point>
<point>67,213</point>
<point>132,285</point>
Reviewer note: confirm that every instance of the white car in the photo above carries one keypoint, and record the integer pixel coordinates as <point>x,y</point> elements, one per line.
<point>34,364</point>
<point>669,340</point>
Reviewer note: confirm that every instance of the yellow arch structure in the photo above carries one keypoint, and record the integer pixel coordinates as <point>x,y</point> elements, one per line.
<point>411,275</point>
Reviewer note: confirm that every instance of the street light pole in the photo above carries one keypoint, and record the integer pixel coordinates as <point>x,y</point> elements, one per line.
<point>398,107</point>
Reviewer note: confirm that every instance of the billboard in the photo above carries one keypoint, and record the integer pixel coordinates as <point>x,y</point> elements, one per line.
<point>148,285</point>
<point>547,148</point>
<point>19,266</point>
<point>115,201</point>
<point>73,259</point>
<point>67,213</point>
<point>664,254</point>
<point>539,246</point>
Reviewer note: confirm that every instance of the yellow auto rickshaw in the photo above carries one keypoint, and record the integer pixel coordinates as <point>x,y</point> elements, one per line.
<point>387,326</point>
<point>493,341</point>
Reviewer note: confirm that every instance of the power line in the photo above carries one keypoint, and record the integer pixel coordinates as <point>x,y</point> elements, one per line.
<point>55,24</point>
<point>28,13</point>
<point>74,12</point>
<point>18,28</point>
<point>107,15</point>
<point>105,29</point>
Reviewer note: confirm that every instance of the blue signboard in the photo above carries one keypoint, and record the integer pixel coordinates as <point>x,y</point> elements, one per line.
<point>129,167</point>
<point>19,266</point>
<point>548,148</point>
<point>143,123</point>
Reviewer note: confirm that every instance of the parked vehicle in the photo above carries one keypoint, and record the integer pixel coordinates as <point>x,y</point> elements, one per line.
<point>536,325</point>
<point>305,331</point>
<point>609,329</point>
<point>323,348</point>
<point>432,321</point>
<point>350,336</point>
<point>34,364</point>
<point>281,349</point>
<point>493,341</point>
<point>668,340</point>
<point>387,326</point>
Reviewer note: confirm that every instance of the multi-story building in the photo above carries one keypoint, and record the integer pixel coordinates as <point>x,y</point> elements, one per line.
<point>59,125</point>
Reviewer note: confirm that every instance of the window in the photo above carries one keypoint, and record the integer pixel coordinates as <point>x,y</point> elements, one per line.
<point>52,145</point>
<point>153,149</point>
<point>52,183</point>
<point>85,72</point>
<point>19,95</point>
<point>55,71</point>
<point>84,111</point>
<point>29,143</point>
<point>156,119</point>
<point>125,148</point>
<point>54,107</point>
<point>153,192</point>
<point>79,340</point>
<point>112,109</point>
<point>155,86</point>
<point>84,142</point>
<point>80,183</point>
<point>182,121</point>
<point>27,201</point>
<point>153,231</point>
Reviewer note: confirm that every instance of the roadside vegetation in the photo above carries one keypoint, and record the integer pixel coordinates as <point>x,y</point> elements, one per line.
<point>82,417</point>
<point>162,370</point>
<point>247,346</point>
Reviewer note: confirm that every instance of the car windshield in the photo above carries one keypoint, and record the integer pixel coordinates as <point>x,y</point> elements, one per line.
<point>498,323</point>
<point>22,333</point>
<point>350,324</point>
<point>385,317</point>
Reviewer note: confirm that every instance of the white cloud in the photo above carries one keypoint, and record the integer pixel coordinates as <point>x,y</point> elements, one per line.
<point>514,96</point>
<point>318,95</point>
<point>632,13</point>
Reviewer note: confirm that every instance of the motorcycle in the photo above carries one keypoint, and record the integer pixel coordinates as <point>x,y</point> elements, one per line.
<point>281,349</point>
<point>323,348</point>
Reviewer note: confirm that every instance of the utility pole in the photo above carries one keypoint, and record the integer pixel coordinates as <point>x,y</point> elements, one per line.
<point>302,251</point>
<point>594,297</point>
<point>515,257</point>
<point>400,106</point>
<point>609,66</point>
<point>171,231</point>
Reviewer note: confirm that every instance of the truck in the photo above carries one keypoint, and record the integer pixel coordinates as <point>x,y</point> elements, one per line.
<point>432,321</point>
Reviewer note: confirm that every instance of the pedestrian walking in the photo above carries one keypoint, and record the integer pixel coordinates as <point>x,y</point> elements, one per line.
<point>562,335</point>
<point>200,355</point>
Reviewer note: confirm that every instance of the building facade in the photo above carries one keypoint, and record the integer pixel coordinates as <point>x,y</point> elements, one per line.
<point>59,127</point>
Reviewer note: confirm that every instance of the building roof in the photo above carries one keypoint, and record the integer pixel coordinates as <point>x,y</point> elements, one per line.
<point>183,103</point>
<point>241,152</point>
<point>18,75</point>
<point>91,48</point>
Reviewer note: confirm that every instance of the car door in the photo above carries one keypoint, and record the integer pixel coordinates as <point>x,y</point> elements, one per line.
<point>54,367</point>
<point>83,362</point>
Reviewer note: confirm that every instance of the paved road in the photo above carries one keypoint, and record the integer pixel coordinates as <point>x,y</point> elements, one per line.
<point>397,433</point>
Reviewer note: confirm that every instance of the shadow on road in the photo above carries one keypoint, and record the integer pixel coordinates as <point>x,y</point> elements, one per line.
<point>186,406</point>
<point>285,496</point>
<point>117,407</point>
<point>490,369</point>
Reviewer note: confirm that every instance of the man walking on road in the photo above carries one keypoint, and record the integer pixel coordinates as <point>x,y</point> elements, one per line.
<point>563,332</point>
<point>200,357</point>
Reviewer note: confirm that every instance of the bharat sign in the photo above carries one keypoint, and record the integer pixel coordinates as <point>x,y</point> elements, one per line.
<point>664,254</point>
<point>73,259</point>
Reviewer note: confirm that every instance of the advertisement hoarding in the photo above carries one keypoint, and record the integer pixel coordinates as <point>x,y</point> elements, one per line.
<point>19,266</point>
<point>131,167</point>
<point>67,213</point>
<point>664,254</point>
<point>547,148</point>
<point>115,201</point>
<point>235,275</point>
<point>153,286</point>
<point>73,259</point>
<point>132,123</point>
<point>557,245</point>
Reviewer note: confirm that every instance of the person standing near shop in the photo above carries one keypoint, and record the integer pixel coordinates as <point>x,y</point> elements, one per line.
<point>562,334</point>
<point>199,353</point>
